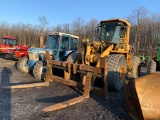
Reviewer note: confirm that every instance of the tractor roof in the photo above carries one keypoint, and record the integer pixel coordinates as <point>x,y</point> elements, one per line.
<point>117,20</point>
<point>61,33</point>
<point>9,37</point>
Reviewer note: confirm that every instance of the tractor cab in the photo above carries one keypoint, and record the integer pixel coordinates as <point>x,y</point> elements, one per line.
<point>7,40</point>
<point>61,44</point>
<point>7,43</point>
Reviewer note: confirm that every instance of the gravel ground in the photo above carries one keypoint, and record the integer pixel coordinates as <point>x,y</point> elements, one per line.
<point>26,104</point>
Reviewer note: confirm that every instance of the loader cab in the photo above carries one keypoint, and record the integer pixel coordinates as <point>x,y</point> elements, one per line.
<point>112,31</point>
<point>7,40</point>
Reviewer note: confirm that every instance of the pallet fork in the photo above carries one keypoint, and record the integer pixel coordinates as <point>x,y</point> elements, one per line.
<point>87,72</point>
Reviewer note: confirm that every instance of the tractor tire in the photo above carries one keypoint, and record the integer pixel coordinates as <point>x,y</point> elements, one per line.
<point>135,67</point>
<point>18,65</point>
<point>15,57</point>
<point>73,57</point>
<point>151,67</point>
<point>21,65</point>
<point>157,65</point>
<point>117,71</point>
<point>37,70</point>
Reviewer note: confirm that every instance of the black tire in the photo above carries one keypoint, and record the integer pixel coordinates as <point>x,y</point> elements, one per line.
<point>157,65</point>
<point>151,67</point>
<point>135,67</point>
<point>37,70</point>
<point>117,71</point>
<point>21,65</point>
<point>73,57</point>
<point>18,66</point>
<point>15,57</point>
<point>149,59</point>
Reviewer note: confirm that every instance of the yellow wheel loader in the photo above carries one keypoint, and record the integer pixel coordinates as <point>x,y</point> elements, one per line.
<point>113,44</point>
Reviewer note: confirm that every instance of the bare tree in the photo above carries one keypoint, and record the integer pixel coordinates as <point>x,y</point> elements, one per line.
<point>43,21</point>
<point>90,28</point>
<point>66,28</point>
<point>78,29</point>
<point>58,28</point>
<point>137,18</point>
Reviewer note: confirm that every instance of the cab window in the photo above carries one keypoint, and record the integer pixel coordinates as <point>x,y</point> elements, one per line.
<point>65,42</point>
<point>73,44</point>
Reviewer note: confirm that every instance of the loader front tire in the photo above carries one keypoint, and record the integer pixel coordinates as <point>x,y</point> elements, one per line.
<point>22,65</point>
<point>135,67</point>
<point>117,71</point>
<point>151,67</point>
<point>38,69</point>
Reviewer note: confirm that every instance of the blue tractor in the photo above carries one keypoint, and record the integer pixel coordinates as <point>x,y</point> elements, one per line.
<point>60,46</point>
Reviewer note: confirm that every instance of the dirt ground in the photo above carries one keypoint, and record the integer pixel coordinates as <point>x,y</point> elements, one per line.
<point>26,104</point>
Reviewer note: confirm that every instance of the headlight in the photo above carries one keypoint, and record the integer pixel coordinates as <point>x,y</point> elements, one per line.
<point>121,40</point>
<point>36,55</point>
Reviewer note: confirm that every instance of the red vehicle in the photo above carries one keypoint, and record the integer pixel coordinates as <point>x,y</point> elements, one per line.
<point>9,47</point>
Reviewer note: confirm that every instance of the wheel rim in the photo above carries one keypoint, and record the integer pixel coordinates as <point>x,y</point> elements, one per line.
<point>43,72</point>
<point>25,66</point>
<point>121,72</point>
<point>40,70</point>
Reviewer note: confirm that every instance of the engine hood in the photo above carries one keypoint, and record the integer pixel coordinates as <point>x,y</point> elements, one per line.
<point>10,47</point>
<point>39,50</point>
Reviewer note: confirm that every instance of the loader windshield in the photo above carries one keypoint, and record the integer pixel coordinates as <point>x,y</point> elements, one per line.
<point>53,42</point>
<point>110,32</point>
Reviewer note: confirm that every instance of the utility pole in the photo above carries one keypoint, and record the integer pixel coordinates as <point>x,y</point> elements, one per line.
<point>42,37</point>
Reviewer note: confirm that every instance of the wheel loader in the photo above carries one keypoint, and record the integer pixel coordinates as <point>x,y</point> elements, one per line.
<point>113,43</point>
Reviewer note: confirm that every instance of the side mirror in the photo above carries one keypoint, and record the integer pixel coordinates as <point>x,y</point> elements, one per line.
<point>97,29</point>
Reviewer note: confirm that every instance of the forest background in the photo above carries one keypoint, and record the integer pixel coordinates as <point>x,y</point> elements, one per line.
<point>144,35</point>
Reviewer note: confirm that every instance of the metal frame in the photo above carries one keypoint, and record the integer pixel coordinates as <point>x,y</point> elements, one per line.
<point>72,68</point>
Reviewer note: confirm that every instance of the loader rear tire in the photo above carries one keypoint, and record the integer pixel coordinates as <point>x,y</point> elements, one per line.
<point>151,67</point>
<point>117,71</point>
<point>38,69</point>
<point>22,65</point>
<point>135,67</point>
